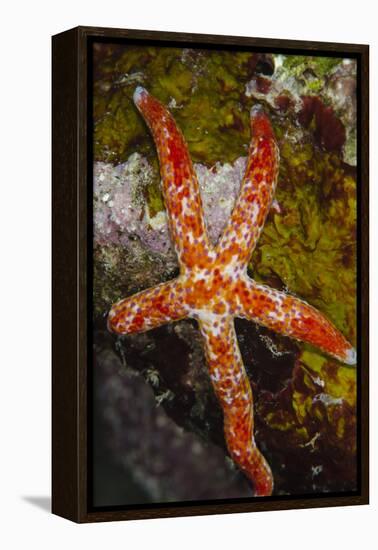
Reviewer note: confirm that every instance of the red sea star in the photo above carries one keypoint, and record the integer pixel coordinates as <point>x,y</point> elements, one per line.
<point>213,286</point>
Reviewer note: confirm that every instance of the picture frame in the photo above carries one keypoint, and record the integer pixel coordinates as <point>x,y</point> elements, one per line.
<point>75,439</point>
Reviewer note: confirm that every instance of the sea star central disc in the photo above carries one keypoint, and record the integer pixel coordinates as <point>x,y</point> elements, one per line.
<point>213,286</point>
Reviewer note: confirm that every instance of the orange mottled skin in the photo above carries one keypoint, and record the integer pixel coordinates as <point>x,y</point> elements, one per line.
<point>213,286</point>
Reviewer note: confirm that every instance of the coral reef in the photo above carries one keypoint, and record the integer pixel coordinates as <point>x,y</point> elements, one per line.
<point>305,411</point>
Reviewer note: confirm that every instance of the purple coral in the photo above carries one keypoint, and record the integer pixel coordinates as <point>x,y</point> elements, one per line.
<point>122,213</point>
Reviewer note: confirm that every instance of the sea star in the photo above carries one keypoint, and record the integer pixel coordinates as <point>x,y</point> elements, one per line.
<point>213,286</point>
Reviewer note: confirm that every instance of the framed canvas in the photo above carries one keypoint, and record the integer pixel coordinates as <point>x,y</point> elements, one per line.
<point>210,274</point>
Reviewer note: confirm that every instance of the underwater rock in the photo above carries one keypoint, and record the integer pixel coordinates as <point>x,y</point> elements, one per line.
<point>122,213</point>
<point>130,238</point>
<point>168,463</point>
<point>296,417</point>
<point>316,89</point>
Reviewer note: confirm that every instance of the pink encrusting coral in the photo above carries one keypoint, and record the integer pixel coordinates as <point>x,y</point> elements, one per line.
<point>213,286</point>
<point>121,212</point>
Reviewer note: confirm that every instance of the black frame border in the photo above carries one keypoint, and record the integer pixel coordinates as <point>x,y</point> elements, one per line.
<point>72,274</point>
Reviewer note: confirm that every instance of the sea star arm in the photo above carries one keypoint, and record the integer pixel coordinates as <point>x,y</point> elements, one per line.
<point>234,393</point>
<point>293,317</point>
<point>180,184</point>
<point>148,309</point>
<point>242,232</point>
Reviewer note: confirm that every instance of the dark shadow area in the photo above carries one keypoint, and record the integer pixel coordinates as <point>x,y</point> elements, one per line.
<point>44,503</point>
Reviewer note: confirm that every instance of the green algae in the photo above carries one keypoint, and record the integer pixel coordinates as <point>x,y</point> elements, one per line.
<point>310,246</point>
<point>299,65</point>
<point>154,198</point>
<point>207,92</point>
<point>308,72</point>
